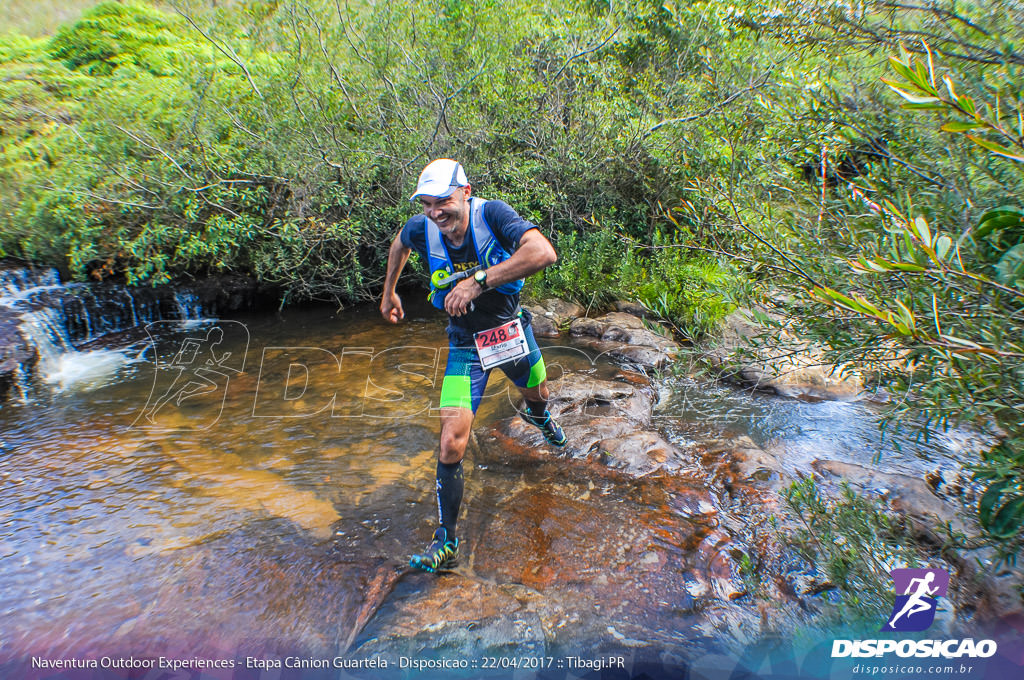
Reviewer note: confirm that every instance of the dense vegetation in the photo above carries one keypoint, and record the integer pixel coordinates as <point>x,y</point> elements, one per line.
<point>687,156</point>
<point>281,140</point>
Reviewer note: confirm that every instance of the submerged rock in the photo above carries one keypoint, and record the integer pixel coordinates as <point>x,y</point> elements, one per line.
<point>717,570</point>
<point>774,360</point>
<point>605,422</point>
<point>543,327</point>
<point>600,552</point>
<point>628,395</point>
<point>564,565</point>
<point>451,615</point>
<point>739,461</point>
<point>601,548</point>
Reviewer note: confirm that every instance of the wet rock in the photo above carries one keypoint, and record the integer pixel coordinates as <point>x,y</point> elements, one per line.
<point>608,446</point>
<point>636,454</point>
<point>543,326</point>
<point>452,615</point>
<point>626,338</point>
<point>609,543</point>
<point>594,559</point>
<point>562,309</point>
<point>551,315</point>
<point>380,582</point>
<point>605,422</point>
<point>740,460</point>
<point>993,592</point>
<point>633,308</point>
<point>690,499</point>
<point>773,360</point>
<point>544,540</point>
<point>15,354</point>
<point>557,566</point>
<point>630,396</point>
<point>619,327</point>
<point>717,570</point>
<point>230,480</point>
<point>514,443</point>
<point>996,593</point>
<point>906,494</point>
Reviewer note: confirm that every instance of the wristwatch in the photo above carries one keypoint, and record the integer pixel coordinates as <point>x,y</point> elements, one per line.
<point>481,278</point>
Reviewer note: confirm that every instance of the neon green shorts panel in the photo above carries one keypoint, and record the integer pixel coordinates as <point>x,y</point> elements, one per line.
<point>465,380</point>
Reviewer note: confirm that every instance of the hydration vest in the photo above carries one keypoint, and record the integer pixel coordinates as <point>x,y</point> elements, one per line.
<point>489,252</point>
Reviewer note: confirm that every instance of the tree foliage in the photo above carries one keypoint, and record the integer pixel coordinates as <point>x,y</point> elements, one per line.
<point>281,138</point>
<point>900,245</point>
<point>114,34</point>
<point>665,147</point>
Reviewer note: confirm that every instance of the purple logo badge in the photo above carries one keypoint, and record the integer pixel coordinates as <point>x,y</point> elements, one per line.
<point>917,594</point>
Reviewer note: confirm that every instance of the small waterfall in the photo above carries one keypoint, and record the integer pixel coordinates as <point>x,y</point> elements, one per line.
<point>188,305</point>
<point>60,364</point>
<point>15,281</point>
<point>44,328</point>
<point>131,306</point>
<point>56,319</point>
<point>22,383</point>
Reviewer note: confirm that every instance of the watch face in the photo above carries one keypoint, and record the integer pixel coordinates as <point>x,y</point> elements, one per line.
<point>481,277</point>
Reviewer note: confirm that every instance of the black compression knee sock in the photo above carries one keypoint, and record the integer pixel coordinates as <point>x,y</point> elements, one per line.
<point>450,483</point>
<point>536,408</point>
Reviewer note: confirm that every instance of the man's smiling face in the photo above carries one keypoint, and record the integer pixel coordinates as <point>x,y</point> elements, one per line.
<point>450,214</point>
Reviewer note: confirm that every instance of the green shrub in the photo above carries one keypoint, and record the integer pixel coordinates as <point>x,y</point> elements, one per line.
<point>692,293</point>
<point>112,34</point>
<point>854,542</point>
<point>596,268</point>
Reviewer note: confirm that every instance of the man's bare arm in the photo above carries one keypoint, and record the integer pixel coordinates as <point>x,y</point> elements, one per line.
<point>391,304</point>
<point>534,253</point>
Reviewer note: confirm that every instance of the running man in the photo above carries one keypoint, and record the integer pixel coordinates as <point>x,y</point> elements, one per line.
<point>915,603</point>
<point>187,363</point>
<point>478,252</point>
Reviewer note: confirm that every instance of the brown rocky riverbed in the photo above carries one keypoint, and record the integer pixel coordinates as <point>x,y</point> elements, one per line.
<point>275,516</point>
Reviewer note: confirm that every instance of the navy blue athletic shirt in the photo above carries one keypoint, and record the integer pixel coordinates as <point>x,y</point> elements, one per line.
<point>491,308</point>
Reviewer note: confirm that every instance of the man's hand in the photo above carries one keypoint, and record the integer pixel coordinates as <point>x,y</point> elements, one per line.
<point>456,303</point>
<point>391,308</point>
<point>390,303</point>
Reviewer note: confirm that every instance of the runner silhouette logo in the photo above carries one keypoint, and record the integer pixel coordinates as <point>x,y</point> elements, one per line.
<point>917,595</point>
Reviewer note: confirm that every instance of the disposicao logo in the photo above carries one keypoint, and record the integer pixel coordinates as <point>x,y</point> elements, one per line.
<point>917,595</point>
<point>914,610</point>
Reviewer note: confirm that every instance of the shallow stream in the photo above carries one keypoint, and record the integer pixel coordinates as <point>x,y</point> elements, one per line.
<point>235,487</point>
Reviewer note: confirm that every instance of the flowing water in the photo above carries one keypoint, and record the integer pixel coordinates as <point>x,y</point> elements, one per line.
<point>251,486</point>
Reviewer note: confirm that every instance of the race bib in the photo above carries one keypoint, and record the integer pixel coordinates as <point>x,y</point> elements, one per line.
<point>502,344</point>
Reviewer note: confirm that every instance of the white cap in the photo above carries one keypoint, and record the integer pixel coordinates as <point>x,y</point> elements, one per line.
<point>440,179</point>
